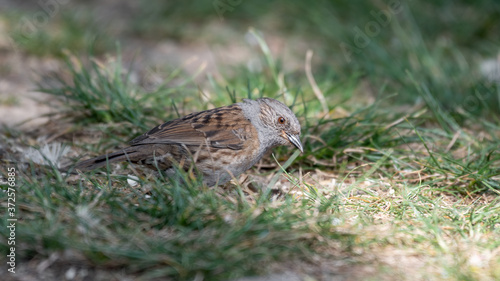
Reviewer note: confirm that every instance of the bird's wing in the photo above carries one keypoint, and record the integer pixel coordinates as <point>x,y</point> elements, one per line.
<point>223,127</point>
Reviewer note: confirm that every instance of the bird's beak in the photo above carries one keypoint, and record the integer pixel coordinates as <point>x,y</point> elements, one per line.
<point>294,139</point>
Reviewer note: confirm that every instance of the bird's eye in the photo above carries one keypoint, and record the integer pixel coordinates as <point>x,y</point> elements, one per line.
<point>281,120</point>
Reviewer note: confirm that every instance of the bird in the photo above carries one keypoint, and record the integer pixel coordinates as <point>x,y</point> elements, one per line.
<point>222,143</point>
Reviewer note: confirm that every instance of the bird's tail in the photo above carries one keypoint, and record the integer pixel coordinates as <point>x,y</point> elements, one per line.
<point>131,154</point>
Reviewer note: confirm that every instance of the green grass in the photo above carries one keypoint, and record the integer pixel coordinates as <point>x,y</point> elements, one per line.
<point>399,179</point>
<point>172,229</point>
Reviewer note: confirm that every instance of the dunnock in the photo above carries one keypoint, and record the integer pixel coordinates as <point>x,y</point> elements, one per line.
<point>222,142</point>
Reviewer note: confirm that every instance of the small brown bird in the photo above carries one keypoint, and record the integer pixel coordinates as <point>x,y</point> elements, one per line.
<point>222,142</point>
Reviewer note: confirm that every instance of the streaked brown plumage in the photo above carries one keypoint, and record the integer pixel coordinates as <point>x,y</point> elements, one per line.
<point>222,142</point>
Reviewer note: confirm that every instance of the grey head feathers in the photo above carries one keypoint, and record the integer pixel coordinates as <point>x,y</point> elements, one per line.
<point>276,124</point>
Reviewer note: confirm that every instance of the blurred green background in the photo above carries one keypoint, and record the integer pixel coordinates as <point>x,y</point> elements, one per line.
<point>404,49</point>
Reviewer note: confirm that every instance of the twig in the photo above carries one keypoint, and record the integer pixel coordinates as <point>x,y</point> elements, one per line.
<point>314,86</point>
<point>452,142</point>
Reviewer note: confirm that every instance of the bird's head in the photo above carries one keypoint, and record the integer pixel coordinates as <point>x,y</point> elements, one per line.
<point>280,122</point>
